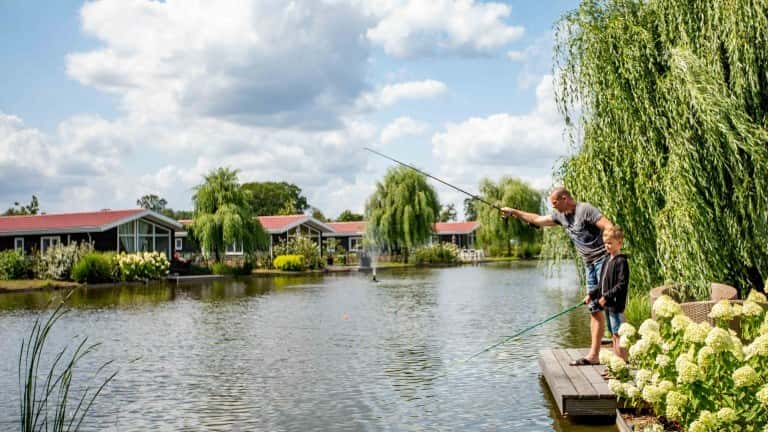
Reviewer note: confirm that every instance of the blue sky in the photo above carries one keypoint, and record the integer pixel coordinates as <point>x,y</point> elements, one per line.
<point>105,101</point>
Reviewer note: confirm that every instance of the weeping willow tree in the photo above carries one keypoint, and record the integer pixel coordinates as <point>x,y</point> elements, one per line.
<point>401,211</point>
<point>671,98</point>
<point>223,215</point>
<point>495,233</point>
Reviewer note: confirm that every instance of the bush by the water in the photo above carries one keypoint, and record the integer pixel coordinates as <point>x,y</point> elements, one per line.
<point>289,262</point>
<point>221,268</point>
<point>96,267</point>
<point>12,265</point>
<point>436,253</point>
<point>700,377</point>
<point>304,246</point>
<point>142,265</point>
<point>527,250</point>
<point>57,261</point>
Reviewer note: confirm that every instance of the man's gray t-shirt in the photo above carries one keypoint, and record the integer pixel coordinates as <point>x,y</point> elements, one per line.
<point>581,227</point>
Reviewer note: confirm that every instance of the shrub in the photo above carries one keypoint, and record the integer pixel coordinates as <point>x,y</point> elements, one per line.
<point>289,262</point>
<point>702,377</point>
<point>304,246</point>
<point>527,250</point>
<point>436,253</point>
<point>57,261</point>
<point>142,265</point>
<point>12,265</point>
<point>244,269</point>
<point>96,267</point>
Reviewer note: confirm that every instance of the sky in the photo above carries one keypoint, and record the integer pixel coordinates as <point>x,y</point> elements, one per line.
<point>102,102</point>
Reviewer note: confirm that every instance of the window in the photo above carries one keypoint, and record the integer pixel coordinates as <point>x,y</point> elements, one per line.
<point>46,242</point>
<point>179,244</point>
<point>235,248</point>
<point>355,244</point>
<point>143,236</point>
<point>18,244</point>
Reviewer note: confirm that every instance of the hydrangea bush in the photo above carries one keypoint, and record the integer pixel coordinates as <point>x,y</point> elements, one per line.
<point>142,265</point>
<point>57,261</point>
<point>704,378</point>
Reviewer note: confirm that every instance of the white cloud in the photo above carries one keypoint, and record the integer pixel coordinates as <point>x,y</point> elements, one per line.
<point>391,94</point>
<point>402,127</point>
<point>274,63</point>
<point>411,28</point>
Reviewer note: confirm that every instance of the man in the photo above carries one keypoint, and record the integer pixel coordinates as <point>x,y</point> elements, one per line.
<point>584,224</point>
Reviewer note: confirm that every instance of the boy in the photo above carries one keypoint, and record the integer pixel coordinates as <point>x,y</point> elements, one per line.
<point>614,285</point>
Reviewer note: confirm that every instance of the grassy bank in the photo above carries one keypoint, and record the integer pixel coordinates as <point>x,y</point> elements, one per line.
<point>32,284</point>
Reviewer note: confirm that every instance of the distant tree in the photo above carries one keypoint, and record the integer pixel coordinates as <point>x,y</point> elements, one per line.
<point>152,202</point>
<point>447,213</point>
<point>510,192</point>
<point>317,214</point>
<point>273,198</point>
<point>401,211</point>
<point>470,213</point>
<point>348,216</point>
<point>177,214</point>
<point>32,208</point>
<point>223,215</point>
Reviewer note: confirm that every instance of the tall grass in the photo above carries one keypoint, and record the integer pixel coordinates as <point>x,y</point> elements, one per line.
<point>45,401</point>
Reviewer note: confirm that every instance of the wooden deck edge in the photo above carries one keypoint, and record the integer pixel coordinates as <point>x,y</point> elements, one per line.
<point>622,424</point>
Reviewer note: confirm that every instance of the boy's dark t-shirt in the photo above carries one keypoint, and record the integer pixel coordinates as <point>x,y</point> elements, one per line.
<point>614,283</point>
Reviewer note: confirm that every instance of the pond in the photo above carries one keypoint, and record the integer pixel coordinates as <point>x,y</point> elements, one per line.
<point>331,353</point>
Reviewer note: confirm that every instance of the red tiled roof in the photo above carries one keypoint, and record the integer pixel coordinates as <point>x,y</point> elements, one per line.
<point>273,223</point>
<point>64,221</point>
<point>348,227</point>
<point>455,227</point>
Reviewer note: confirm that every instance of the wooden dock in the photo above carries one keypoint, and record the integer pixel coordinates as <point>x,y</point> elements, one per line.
<point>579,391</point>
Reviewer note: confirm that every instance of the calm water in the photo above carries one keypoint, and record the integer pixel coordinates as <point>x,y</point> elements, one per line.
<point>326,353</point>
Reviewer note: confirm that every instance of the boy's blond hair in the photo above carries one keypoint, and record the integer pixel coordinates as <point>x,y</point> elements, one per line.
<point>615,232</point>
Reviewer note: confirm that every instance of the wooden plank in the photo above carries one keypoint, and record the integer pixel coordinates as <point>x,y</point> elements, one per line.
<point>592,373</point>
<point>584,390</point>
<point>556,378</point>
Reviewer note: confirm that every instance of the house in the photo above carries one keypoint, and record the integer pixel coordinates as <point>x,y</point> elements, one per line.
<point>461,234</point>
<point>279,228</point>
<point>349,235</point>
<point>108,230</point>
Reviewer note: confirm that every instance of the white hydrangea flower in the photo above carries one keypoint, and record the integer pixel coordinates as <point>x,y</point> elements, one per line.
<point>631,391</point>
<point>653,394</point>
<point>726,415</point>
<point>616,387</point>
<point>617,364</point>
<point>666,386</point>
<point>745,376</point>
<point>756,296</point>
<point>624,342</point>
<point>605,356</point>
<point>627,329</point>
<point>648,326</point>
<point>663,360</point>
<point>640,348</point>
<point>751,309</point>
<point>653,428</point>
<point>697,333</point>
<point>758,347</point>
<point>762,395</point>
<point>688,372</point>
<point>704,358</point>
<point>697,426</point>
<point>643,377</point>
<point>722,310</point>
<point>654,338</point>
<point>676,403</point>
<point>665,307</point>
<point>736,309</point>
<point>738,349</point>
<point>719,340</point>
<point>680,322</point>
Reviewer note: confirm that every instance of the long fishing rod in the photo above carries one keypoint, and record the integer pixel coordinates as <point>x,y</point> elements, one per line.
<point>473,196</point>
<point>514,336</point>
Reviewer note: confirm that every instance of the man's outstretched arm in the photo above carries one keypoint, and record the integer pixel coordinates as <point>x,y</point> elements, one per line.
<point>531,218</point>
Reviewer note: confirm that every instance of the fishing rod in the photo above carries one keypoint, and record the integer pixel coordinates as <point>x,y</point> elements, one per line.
<point>514,336</point>
<point>473,196</point>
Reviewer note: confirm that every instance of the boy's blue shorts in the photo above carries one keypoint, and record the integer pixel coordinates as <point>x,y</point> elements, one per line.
<point>613,320</point>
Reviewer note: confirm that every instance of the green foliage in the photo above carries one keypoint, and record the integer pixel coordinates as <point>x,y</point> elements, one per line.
<point>527,250</point>
<point>348,216</point>
<point>673,104</point>
<point>470,213</point>
<point>177,214</point>
<point>289,262</point>
<point>638,309</point>
<point>317,214</point>
<point>142,266</point>
<point>152,202</point>
<point>57,261</point>
<point>494,232</point>
<point>220,268</point>
<point>301,245</point>
<point>223,215</point>
<point>447,213</point>
<point>19,210</point>
<point>37,397</point>
<point>401,211</point>
<point>96,267</point>
<point>12,265</point>
<point>436,253</point>
<point>276,198</point>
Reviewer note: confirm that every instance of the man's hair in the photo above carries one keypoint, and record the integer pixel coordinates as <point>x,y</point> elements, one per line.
<point>560,192</point>
<point>615,233</point>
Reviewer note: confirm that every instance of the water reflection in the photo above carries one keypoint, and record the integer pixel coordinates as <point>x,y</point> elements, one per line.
<point>333,352</point>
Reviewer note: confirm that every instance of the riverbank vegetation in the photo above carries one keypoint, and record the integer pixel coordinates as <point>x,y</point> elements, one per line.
<point>667,103</point>
<point>508,237</point>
